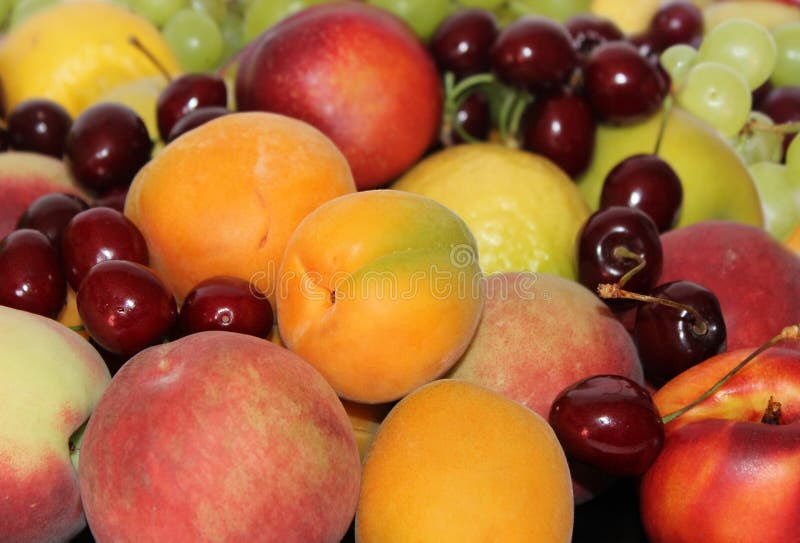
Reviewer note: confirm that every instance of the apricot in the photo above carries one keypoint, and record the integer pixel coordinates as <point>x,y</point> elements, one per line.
<point>224,198</point>
<point>455,462</point>
<point>380,291</point>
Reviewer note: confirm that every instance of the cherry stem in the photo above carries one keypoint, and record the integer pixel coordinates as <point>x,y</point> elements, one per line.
<point>133,40</point>
<point>666,109</point>
<point>788,333</point>
<point>784,128</point>
<point>620,251</point>
<point>614,290</point>
<point>455,94</point>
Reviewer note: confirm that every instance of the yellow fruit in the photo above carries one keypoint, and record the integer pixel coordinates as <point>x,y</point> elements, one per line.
<point>523,210</point>
<point>76,51</point>
<point>140,95</point>
<point>456,463</point>
<point>767,13</point>
<point>630,17</point>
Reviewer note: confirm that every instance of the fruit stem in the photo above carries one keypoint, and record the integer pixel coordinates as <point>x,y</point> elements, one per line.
<point>784,128</point>
<point>614,290</point>
<point>77,328</point>
<point>620,251</point>
<point>666,109</point>
<point>772,414</point>
<point>788,333</point>
<point>455,94</point>
<point>133,40</point>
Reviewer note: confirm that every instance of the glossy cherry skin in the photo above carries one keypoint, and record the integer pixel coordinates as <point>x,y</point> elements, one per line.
<point>39,125</point>
<point>474,116</point>
<point>612,227</point>
<point>114,198</point>
<point>589,30</point>
<point>646,182</point>
<point>678,21</point>
<point>125,307</point>
<point>106,145</point>
<point>50,214</point>
<point>621,85</point>
<point>226,303</point>
<point>187,93</point>
<point>561,126</point>
<point>609,422</point>
<point>98,234</point>
<point>782,105</point>
<point>534,53</point>
<point>462,41</point>
<point>195,118</point>
<point>668,339</point>
<point>30,273</point>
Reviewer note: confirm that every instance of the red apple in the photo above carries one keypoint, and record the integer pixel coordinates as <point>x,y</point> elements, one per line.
<point>755,278</point>
<point>540,333</point>
<point>356,72</point>
<point>723,476</point>
<point>219,436</point>
<point>24,176</point>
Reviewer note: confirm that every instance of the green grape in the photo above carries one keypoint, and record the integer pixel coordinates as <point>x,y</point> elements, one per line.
<point>717,94</point>
<point>216,8</point>
<point>423,16</point>
<point>157,12</point>
<point>759,144</point>
<point>262,14</point>
<point>485,4</point>
<point>779,198</point>
<point>560,10</point>
<point>787,67</point>
<point>745,46</point>
<point>195,38</point>
<point>232,34</point>
<point>5,10</point>
<point>677,60</point>
<point>792,161</point>
<point>24,8</point>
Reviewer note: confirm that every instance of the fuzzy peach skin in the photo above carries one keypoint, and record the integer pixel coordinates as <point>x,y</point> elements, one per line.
<point>723,476</point>
<point>457,463</point>
<point>224,198</point>
<point>380,291</point>
<point>24,176</point>
<point>538,334</point>
<point>219,436</point>
<point>51,380</point>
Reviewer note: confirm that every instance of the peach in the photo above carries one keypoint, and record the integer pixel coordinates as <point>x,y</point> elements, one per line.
<point>51,381</point>
<point>379,291</point>
<point>455,462</point>
<point>219,436</point>
<point>538,334</point>
<point>24,176</point>
<point>224,198</point>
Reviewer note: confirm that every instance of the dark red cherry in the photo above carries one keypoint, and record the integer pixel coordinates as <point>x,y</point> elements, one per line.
<point>125,307</point>
<point>474,116</point>
<point>534,53</point>
<point>195,118</point>
<point>462,41</point>
<point>677,21</point>
<point>589,30</point>
<point>187,93</point>
<point>612,242</point>
<point>782,105</point>
<point>30,273</point>
<point>226,303</point>
<point>646,182</point>
<point>609,422</point>
<point>621,85</point>
<point>671,340</point>
<point>39,125</point>
<point>114,198</point>
<point>98,234</point>
<point>106,145</point>
<point>50,214</point>
<point>560,126</point>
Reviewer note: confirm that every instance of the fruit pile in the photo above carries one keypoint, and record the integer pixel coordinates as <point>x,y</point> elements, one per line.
<point>387,271</point>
